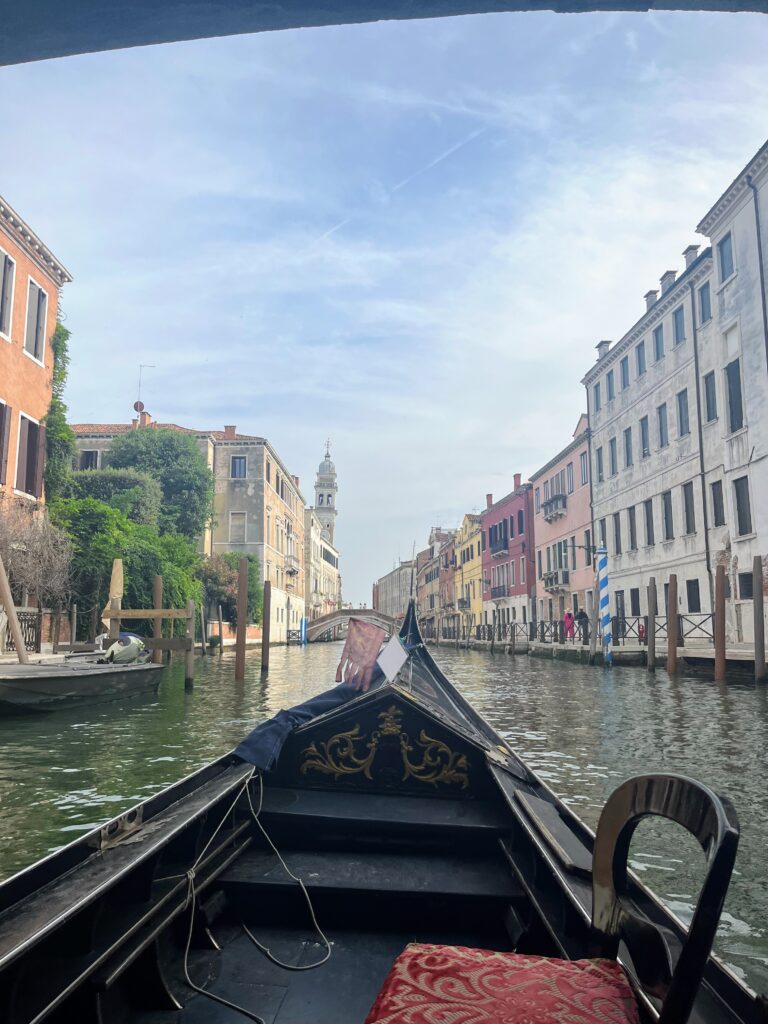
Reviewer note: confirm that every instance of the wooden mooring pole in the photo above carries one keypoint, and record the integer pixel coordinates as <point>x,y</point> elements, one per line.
<point>265,628</point>
<point>242,615</point>
<point>6,599</point>
<point>72,625</point>
<point>189,654</point>
<point>157,624</point>
<point>203,630</point>
<point>672,624</point>
<point>757,605</point>
<point>719,627</point>
<point>653,609</point>
<point>221,632</point>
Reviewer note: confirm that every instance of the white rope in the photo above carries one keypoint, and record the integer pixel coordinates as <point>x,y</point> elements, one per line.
<point>267,953</point>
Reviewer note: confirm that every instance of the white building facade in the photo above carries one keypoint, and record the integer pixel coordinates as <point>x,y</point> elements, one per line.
<point>392,592</point>
<point>733,366</point>
<point>648,502</point>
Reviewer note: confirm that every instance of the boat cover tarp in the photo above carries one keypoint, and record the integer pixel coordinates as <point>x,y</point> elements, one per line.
<point>262,747</point>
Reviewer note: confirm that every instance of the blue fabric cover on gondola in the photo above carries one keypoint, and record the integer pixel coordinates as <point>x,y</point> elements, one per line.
<point>262,747</point>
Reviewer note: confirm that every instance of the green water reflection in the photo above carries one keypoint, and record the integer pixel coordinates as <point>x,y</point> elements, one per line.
<point>583,730</point>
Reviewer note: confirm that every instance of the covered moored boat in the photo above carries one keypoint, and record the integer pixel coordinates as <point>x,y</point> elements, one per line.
<point>441,880</point>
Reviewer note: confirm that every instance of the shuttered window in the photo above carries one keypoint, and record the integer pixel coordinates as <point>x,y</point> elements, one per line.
<point>237,527</point>
<point>37,310</point>
<point>7,272</point>
<point>31,457</point>
<point>5,436</point>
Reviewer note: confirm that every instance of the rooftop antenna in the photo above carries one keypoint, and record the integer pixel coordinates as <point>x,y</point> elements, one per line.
<point>142,367</point>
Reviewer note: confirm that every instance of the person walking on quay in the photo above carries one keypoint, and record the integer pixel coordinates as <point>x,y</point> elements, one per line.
<point>581,621</point>
<point>568,624</point>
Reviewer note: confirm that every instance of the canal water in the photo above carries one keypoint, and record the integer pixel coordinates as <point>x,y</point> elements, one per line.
<point>582,729</point>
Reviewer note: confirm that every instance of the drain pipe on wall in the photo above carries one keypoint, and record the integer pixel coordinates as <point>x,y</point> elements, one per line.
<point>760,263</point>
<point>702,478</point>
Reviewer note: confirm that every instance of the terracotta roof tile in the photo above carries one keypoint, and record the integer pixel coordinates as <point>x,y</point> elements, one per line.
<point>124,428</point>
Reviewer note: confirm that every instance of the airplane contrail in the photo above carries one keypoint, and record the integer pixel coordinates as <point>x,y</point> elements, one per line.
<point>406,181</point>
<point>439,159</point>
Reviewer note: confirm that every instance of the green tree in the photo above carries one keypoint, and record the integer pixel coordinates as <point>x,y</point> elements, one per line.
<point>178,465</point>
<point>137,495</point>
<point>100,533</point>
<point>59,436</point>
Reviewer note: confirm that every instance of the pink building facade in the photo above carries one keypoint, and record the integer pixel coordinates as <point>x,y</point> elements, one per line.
<point>508,556</point>
<point>565,577</point>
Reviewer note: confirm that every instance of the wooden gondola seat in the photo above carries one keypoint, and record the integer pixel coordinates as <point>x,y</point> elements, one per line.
<point>435,984</point>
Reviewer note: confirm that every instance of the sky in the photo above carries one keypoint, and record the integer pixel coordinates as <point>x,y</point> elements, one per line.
<point>405,236</point>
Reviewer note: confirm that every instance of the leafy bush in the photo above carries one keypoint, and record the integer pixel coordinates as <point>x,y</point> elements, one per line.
<point>220,574</point>
<point>137,495</point>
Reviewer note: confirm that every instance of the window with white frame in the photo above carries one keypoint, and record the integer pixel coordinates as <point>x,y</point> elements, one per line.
<point>7,277</point>
<point>725,256</point>
<point>37,312</point>
<point>743,508</point>
<point>30,458</point>
<point>569,476</point>
<point>5,437</point>
<point>237,467</point>
<point>584,462</point>
<point>678,325</point>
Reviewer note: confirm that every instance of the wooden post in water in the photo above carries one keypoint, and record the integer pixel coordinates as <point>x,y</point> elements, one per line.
<point>189,654</point>
<point>203,630</point>
<point>719,628</point>
<point>72,625</point>
<point>757,604</point>
<point>6,599</point>
<point>56,629</point>
<point>593,627</point>
<point>242,615</point>
<point>157,624</point>
<point>266,623</point>
<point>653,609</point>
<point>672,625</point>
<point>221,632</point>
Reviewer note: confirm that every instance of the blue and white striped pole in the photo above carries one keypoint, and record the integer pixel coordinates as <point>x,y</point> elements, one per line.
<point>605,611</point>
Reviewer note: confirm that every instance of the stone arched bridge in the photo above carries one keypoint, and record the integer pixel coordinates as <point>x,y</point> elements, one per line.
<point>319,627</point>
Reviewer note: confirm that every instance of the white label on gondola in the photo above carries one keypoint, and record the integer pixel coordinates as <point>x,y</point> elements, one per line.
<point>392,658</point>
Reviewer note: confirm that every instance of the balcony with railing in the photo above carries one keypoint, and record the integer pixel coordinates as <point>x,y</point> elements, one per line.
<point>501,591</point>
<point>463,604</point>
<point>556,579</point>
<point>555,507</point>
<point>499,546</point>
<point>292,565</point>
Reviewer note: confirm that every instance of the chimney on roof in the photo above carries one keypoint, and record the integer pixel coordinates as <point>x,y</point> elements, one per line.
<point>690,254</point>
<point>296,481</point>
<point>145,419</point>
<point>667,280</point>
<point>650,298</point>
<point>602,348</point>
<point>488,500</point>
<point>518,478</point>
<point>229,432</point>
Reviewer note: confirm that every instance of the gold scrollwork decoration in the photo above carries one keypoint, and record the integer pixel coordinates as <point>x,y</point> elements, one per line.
<point>348,753</point>
<point>438,763</point>
<point>339,755</point>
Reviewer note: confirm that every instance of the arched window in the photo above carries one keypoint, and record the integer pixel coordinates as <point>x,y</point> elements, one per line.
<point>319,499</point>
<point>330,500</point>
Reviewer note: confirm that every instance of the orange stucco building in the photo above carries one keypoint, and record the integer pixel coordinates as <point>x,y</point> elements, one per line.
<point>30,280</point>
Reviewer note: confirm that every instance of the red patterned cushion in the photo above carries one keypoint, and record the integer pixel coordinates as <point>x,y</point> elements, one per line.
<point>456,985</point>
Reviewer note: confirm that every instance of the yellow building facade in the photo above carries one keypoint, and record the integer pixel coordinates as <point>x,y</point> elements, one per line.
<point>469,573</point>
